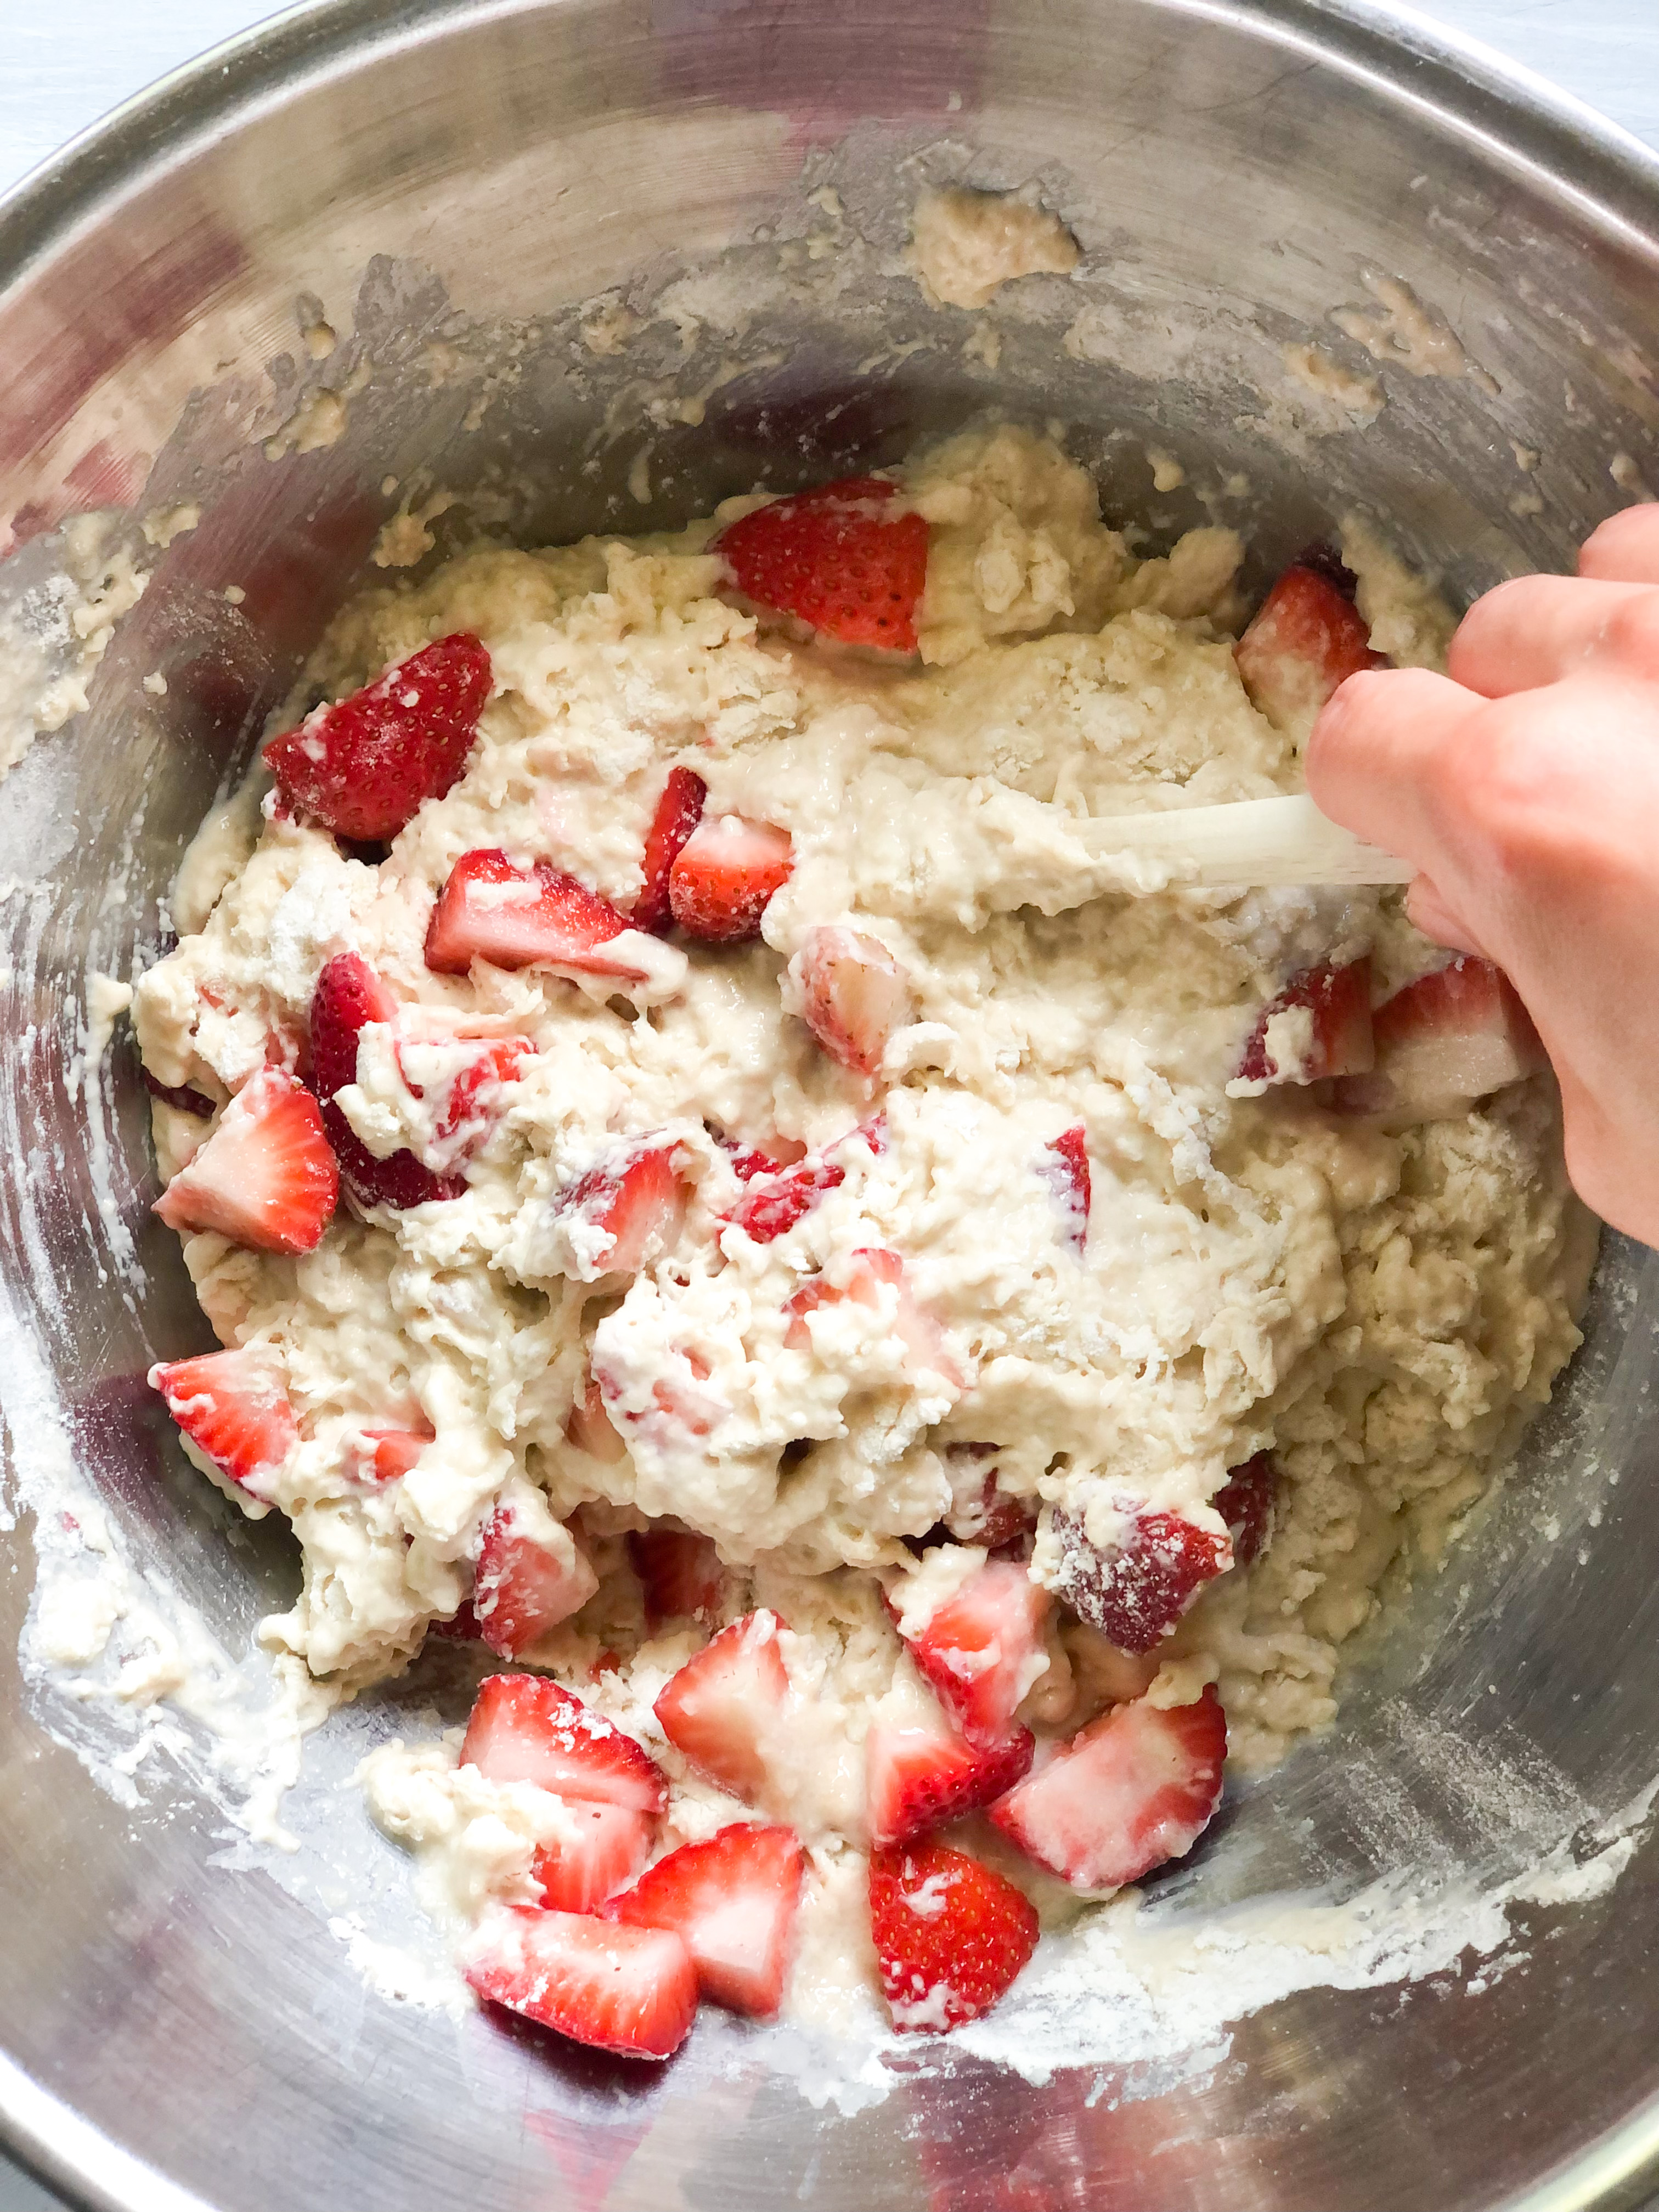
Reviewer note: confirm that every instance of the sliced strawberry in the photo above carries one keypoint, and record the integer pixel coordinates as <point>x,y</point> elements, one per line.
<point>748,1161</point>
<point>854,994</point>
<point>1307,637</point>
<point>349,995</point>
<point>474,1098</point>
<point>720,1708</point>
<point>1245,1502</point>
<point>461,1627</point>
<point>232,1407</point>
<point>623,1212</point>
<point>982,1649</point>
<point>775,1202</point>
<point>950,1934</point>
<point>678,812</point>
<point>590,1428</point>
<point>1135,1592</point>
<point>536,917</point>
<point>982,1512</point>
<point>1450,1038</point>
<point>363,766</point>
<point>631,1991</point>
<point>266,1177</point>
<point>1336,1036</point>
<point>389,1453</point>
<point>836,559</point>
<point>725,875</point>
<point>679,1573</point>
<point>920,1771</point>
<point>526,1728</point>
<point>867,1272</point>
<point>529,1578</point>
<point>603,1847</point>
<point>733,1900</point>
<point>1065,1171</point>
<point>1134,1789</point>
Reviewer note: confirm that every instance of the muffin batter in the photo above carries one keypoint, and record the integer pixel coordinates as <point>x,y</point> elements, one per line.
<point>904,1230</point>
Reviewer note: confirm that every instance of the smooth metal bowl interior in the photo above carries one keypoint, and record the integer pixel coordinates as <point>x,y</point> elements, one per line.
<point>448,182</point>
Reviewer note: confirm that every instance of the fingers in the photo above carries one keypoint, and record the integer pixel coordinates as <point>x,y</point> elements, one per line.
<point>1535,630</point>
<point>1625,550</point>
<point>1427,910</point>
<point>1374,757</point>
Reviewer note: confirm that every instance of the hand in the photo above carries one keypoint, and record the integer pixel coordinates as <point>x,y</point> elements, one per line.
<point>1524,788</point>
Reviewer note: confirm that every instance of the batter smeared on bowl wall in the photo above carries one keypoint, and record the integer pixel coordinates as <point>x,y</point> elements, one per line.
<point>907,1388</point>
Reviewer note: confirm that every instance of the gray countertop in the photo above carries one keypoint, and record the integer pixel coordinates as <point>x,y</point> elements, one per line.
<point>70,62</point>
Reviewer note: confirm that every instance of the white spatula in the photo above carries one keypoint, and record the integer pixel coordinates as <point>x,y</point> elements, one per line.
<point>1253,841</point>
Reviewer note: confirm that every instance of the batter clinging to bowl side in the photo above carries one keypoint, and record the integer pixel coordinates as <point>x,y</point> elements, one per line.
<point>895,1363</point>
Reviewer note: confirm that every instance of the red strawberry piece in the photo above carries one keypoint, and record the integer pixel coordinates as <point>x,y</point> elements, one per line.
<point>474,1098</point>
<point>232,1407</point>
<point>679,1573</point>
<point>982,1649</point>
<point>363,766</point>
<point>1450,1038</point>
<point>631,1991</point>
<point>625,1212</point>
<point>836,559</point>
<point>775,1202</point>
<point>181,1096</point>
<point>389,1453</point>
<point>748,1161</point>
<point>950,1934</point>
<point>266,1177</point>
<point>919,1771</point>
<point>867,1272</point>
<point>678,812</point>
<point>526,1584</point>
<point>1135,1592</point>
<point>1065,1168</point>
<point>733,1900</point>
<point>723,876</point>
<point>854,995</point>
<point>1136,1788</point>
<point>526,1728</point>
<point>602,1847</point>
<point>536,917</point>
<point>982,1512</point>
<point>1245,1502</point>
<point>1337,1031</point>
<point>1307,637</point>
<point>461,1627</point>
<point>590,1428</point>
<point>720,1708</point>
<point>348,997</point>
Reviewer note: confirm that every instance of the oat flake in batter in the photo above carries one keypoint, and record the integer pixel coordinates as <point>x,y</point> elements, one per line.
<point>906,1384</point>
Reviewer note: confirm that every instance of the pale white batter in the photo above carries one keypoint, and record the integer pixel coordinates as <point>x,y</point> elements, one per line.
<point>1382,1311</point>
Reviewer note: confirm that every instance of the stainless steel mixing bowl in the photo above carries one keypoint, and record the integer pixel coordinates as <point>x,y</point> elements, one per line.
<point>445,180</point>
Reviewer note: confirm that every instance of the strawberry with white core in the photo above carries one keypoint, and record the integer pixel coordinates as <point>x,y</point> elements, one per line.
<point>1134,1788</point>
<point>630,1990</point>
<point>720,1709</point>
<point>526,1729</point>
<point>266,1177</point>
<point>233,1408</point>
<point>1450,1038</point>
<point>530,1574</point>
<point>853,994</point>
